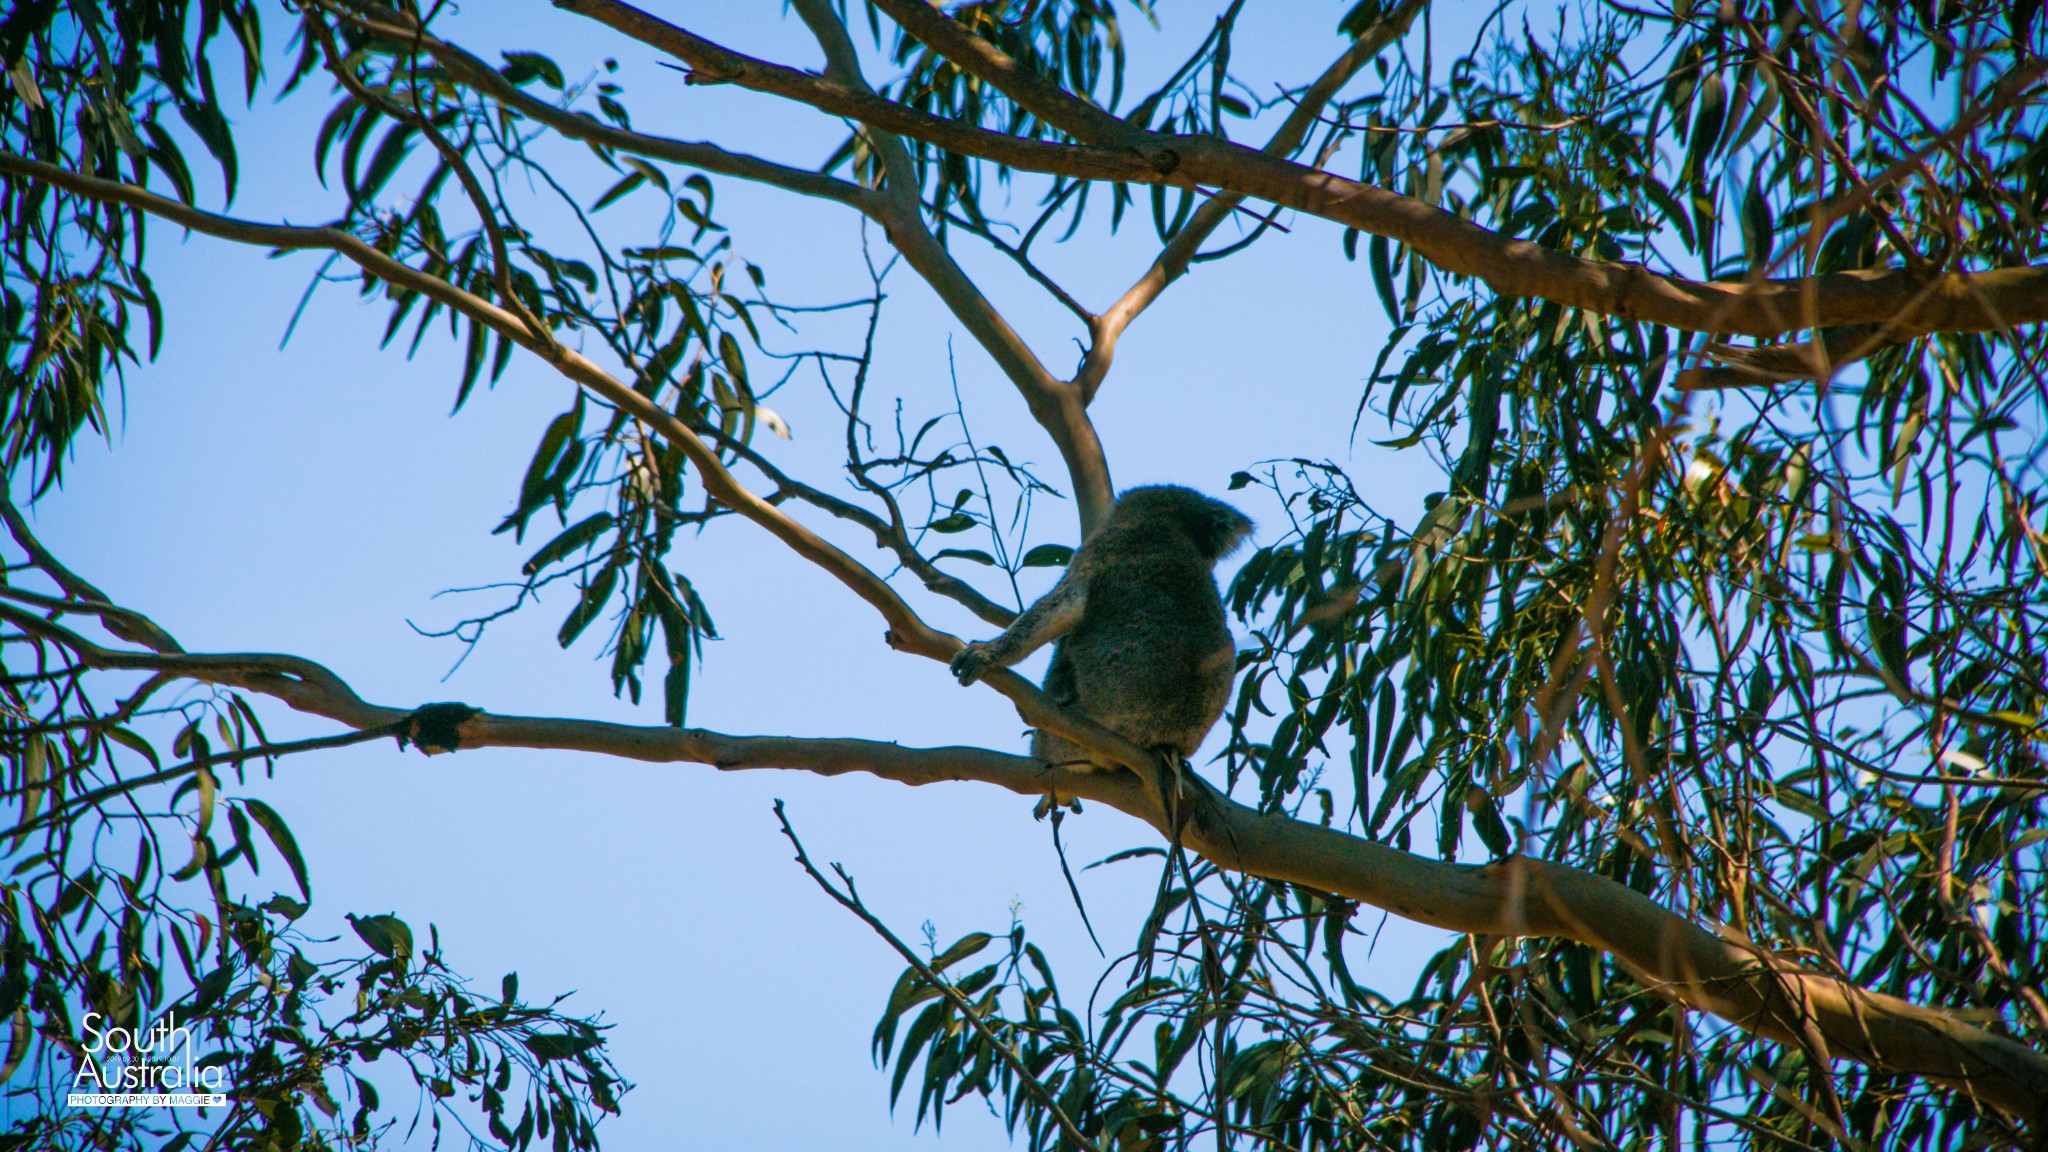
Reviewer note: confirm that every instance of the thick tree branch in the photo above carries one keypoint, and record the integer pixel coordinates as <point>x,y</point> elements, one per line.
<point>1913,303</point>
<point>1730,977</point>
<point>1735,367</point>
<point>1726,975</point>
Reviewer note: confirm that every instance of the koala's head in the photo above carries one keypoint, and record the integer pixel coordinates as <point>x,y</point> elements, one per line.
<point>1215,527</point>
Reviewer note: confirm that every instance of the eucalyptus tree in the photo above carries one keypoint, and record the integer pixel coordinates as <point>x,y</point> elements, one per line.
<point>1704,702</point>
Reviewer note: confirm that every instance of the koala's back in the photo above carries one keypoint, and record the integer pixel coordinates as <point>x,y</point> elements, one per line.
<point>1152,657</point>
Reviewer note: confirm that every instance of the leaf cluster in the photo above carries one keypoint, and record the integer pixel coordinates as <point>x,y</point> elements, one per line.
<point>311,1044</point>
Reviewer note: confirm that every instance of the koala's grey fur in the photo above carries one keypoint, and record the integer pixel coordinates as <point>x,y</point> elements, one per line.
<point>1143,648</point>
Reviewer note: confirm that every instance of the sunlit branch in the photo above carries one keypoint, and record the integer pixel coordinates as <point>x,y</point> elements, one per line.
<point>1992,300</point>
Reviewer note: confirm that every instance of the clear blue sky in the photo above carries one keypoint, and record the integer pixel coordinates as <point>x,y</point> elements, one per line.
<point>314,499</point>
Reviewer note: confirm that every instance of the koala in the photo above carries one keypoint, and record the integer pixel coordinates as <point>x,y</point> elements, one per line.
<point>1142,647</point>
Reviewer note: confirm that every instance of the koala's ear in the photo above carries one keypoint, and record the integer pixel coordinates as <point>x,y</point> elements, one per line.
<point>1219,532</point>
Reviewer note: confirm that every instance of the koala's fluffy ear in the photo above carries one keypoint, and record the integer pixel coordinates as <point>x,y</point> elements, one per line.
<point>1218,529</point>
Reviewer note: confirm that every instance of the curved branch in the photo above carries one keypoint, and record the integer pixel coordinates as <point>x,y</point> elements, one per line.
<point>453,158</point>
<point>910,632</point>
<point>1055,406</point>
<point>895,207</point>
<point>1914,303</point>
<point>1726,975</point>
<point>1674,958</point>
<point>122,622</point>
<point>906,631</point>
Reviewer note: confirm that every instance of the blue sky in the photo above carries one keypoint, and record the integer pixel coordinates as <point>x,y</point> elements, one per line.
<point>315,498</point>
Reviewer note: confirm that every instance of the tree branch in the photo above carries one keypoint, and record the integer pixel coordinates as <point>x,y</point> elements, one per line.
<point>1735,367</point>
<point>895,207</point>
<point>1056,406</point>
<point>1179,253</point>
<point>906,631</point>
<point>851,901</point>
<point>1915,303</point>
<point>487,81</point>
<point>977,57</point>
<point>1729,976</point>
<point>123,623</point>
<point>887,535</point>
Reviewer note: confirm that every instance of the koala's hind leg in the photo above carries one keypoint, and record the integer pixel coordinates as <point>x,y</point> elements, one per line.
<point>1165,784</point>
<point>1057,752</point>
<point>1063,693</point>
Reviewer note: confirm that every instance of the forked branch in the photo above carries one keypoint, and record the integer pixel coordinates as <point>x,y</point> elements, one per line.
<point>894,205</point>
<point>1179,252</point>
<point>907,632</point>
<point>1056,405</point>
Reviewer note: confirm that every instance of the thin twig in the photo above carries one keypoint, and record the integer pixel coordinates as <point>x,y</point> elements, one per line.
<point>850,900</point>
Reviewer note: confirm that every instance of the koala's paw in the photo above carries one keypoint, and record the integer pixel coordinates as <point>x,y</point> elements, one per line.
<point>972,661</point>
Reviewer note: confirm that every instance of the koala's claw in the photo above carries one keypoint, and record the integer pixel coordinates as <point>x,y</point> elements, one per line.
<point>972,661</point>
